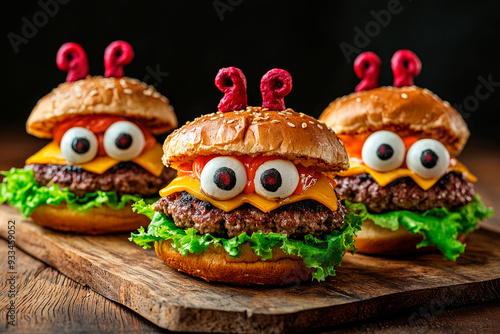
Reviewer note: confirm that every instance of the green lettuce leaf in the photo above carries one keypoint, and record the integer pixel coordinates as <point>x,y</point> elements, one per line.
<point>439,227</point>
<point>324,254</point>
<point>20,190</point>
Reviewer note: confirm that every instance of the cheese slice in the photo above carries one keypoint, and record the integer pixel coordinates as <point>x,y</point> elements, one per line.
<point>384,178</point>
<point>51,154</point>
<point>323,192</point>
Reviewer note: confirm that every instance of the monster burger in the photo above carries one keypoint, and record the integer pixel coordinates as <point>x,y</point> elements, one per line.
<point>404,178</point>
<point>252,203</point>
<point>103,156</point>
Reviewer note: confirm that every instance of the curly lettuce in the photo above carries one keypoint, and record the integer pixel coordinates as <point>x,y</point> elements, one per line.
<point>20,190</point>
<point>439,227</point>
<point>323,254</point>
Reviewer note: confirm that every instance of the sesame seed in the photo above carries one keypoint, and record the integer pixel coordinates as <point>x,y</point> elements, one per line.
<point>275,121</point>
<point>183,131</point>
<point>257,119</point>
<point>446,104</point>
<point>265,109</point>
<point>304,125</point>
<point>291,124</point>
<point>311,122</point>
<point>213,118</point>
<point>230,121</point>
<point>128,91</point>
<point>404,95</point>
<point>156,95</point>
<point>340,141</point>
<point>66,95</point>
<point>123,83</point>
<point>53,98</point>
<point>302,115</point>
<point>163,99</point>
<point>110,86</point>
<point>90,107</point>
<point>319,126</point>
<point>93,92</point>
<point>147,92</point>
<point>374,97</point>
<point>221,114</point>
<point>358,99</point>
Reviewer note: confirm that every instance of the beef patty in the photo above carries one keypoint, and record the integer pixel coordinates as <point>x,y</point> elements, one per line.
<point>124,178</point>
<point>295,220</point>
<point>452,191</point>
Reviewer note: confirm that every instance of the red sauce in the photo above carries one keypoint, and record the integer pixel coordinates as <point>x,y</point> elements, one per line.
<point>307,177</point>
<point>98,125</point>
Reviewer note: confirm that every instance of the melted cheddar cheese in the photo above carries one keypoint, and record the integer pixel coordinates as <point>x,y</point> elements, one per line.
<point>384,178</point>
<point>51,154</point>
<point>323,192</point>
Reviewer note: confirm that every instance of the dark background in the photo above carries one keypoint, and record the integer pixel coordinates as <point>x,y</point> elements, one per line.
<point>457,42</point>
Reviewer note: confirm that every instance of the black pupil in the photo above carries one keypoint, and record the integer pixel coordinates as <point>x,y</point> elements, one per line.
<point>225,178</point>
<point>385,152</point>
<point>271,180</point>
<point>80,145</point>
<point>123,141</point>
<point>429,158</point>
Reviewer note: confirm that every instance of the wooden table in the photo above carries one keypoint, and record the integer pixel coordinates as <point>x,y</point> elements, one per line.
<point>48,301</point>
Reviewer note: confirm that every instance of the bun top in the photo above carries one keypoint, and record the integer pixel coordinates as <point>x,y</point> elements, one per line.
<point>408,111</point>
<point>258,132</point>
<point>125,97</point>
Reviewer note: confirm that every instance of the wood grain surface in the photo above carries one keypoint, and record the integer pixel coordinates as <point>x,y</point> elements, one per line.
<point>364,287</point>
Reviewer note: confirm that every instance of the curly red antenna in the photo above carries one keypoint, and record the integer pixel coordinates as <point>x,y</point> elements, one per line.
<point>367,68</point>
<point>405,66</point>
<point>274,86</point>
<point>117,55</point>
<point>72,58</point>
<point>232,82</point>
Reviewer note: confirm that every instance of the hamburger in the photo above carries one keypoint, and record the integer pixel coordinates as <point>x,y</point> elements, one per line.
<point>404,177</point>
<point>103,155</point>
<point>254,201</point>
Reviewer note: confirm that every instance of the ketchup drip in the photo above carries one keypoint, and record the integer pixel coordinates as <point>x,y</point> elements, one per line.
<point>117,55</point>
<point>367,67</point>
<point>72,58</point>
<point>405,66</point>
<point>274,86</point>
<point>232,82</point>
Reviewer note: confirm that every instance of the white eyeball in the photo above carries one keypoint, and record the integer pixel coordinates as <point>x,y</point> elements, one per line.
<point>223,178</point>
<point>123,140</point>
<point>79,145</point>
<point>276,179</point>
<point>428,158</point>
<point>383,151</point>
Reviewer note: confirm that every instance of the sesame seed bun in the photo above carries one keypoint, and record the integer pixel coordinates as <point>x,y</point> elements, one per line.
<point>96,221</point>
<point>215,264</point>
<point>408,111</point>
<point>126,97</point>
<point>258,132</point>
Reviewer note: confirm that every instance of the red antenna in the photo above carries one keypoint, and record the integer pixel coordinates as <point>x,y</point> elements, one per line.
<point>274,86</point>
<point>367,68</point>
<point>405,66</point>
<point>72,58</point>
<point>117,55</point>
<point>232,82</point>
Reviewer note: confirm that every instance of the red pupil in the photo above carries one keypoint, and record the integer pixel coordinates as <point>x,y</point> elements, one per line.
<point>225,178</point>
<point>271,179</point>
<point>428,157</point>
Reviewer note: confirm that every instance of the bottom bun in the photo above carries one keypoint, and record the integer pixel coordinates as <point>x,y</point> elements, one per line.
<point>96,221</point>
<point>215,264</point>
<point>373,239</point>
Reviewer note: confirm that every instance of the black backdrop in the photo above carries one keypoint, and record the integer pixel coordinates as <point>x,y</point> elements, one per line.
<point>457,42</point>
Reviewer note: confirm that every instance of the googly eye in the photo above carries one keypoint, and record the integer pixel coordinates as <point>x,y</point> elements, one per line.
<point>223,178</point>
<point>123,140</point>
<point>428,158</point>
<point>276,179</point>
<point>383,151</point>
<point>79,145</point>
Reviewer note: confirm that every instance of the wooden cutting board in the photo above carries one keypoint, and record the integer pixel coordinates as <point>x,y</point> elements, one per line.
<point>365,286</point>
